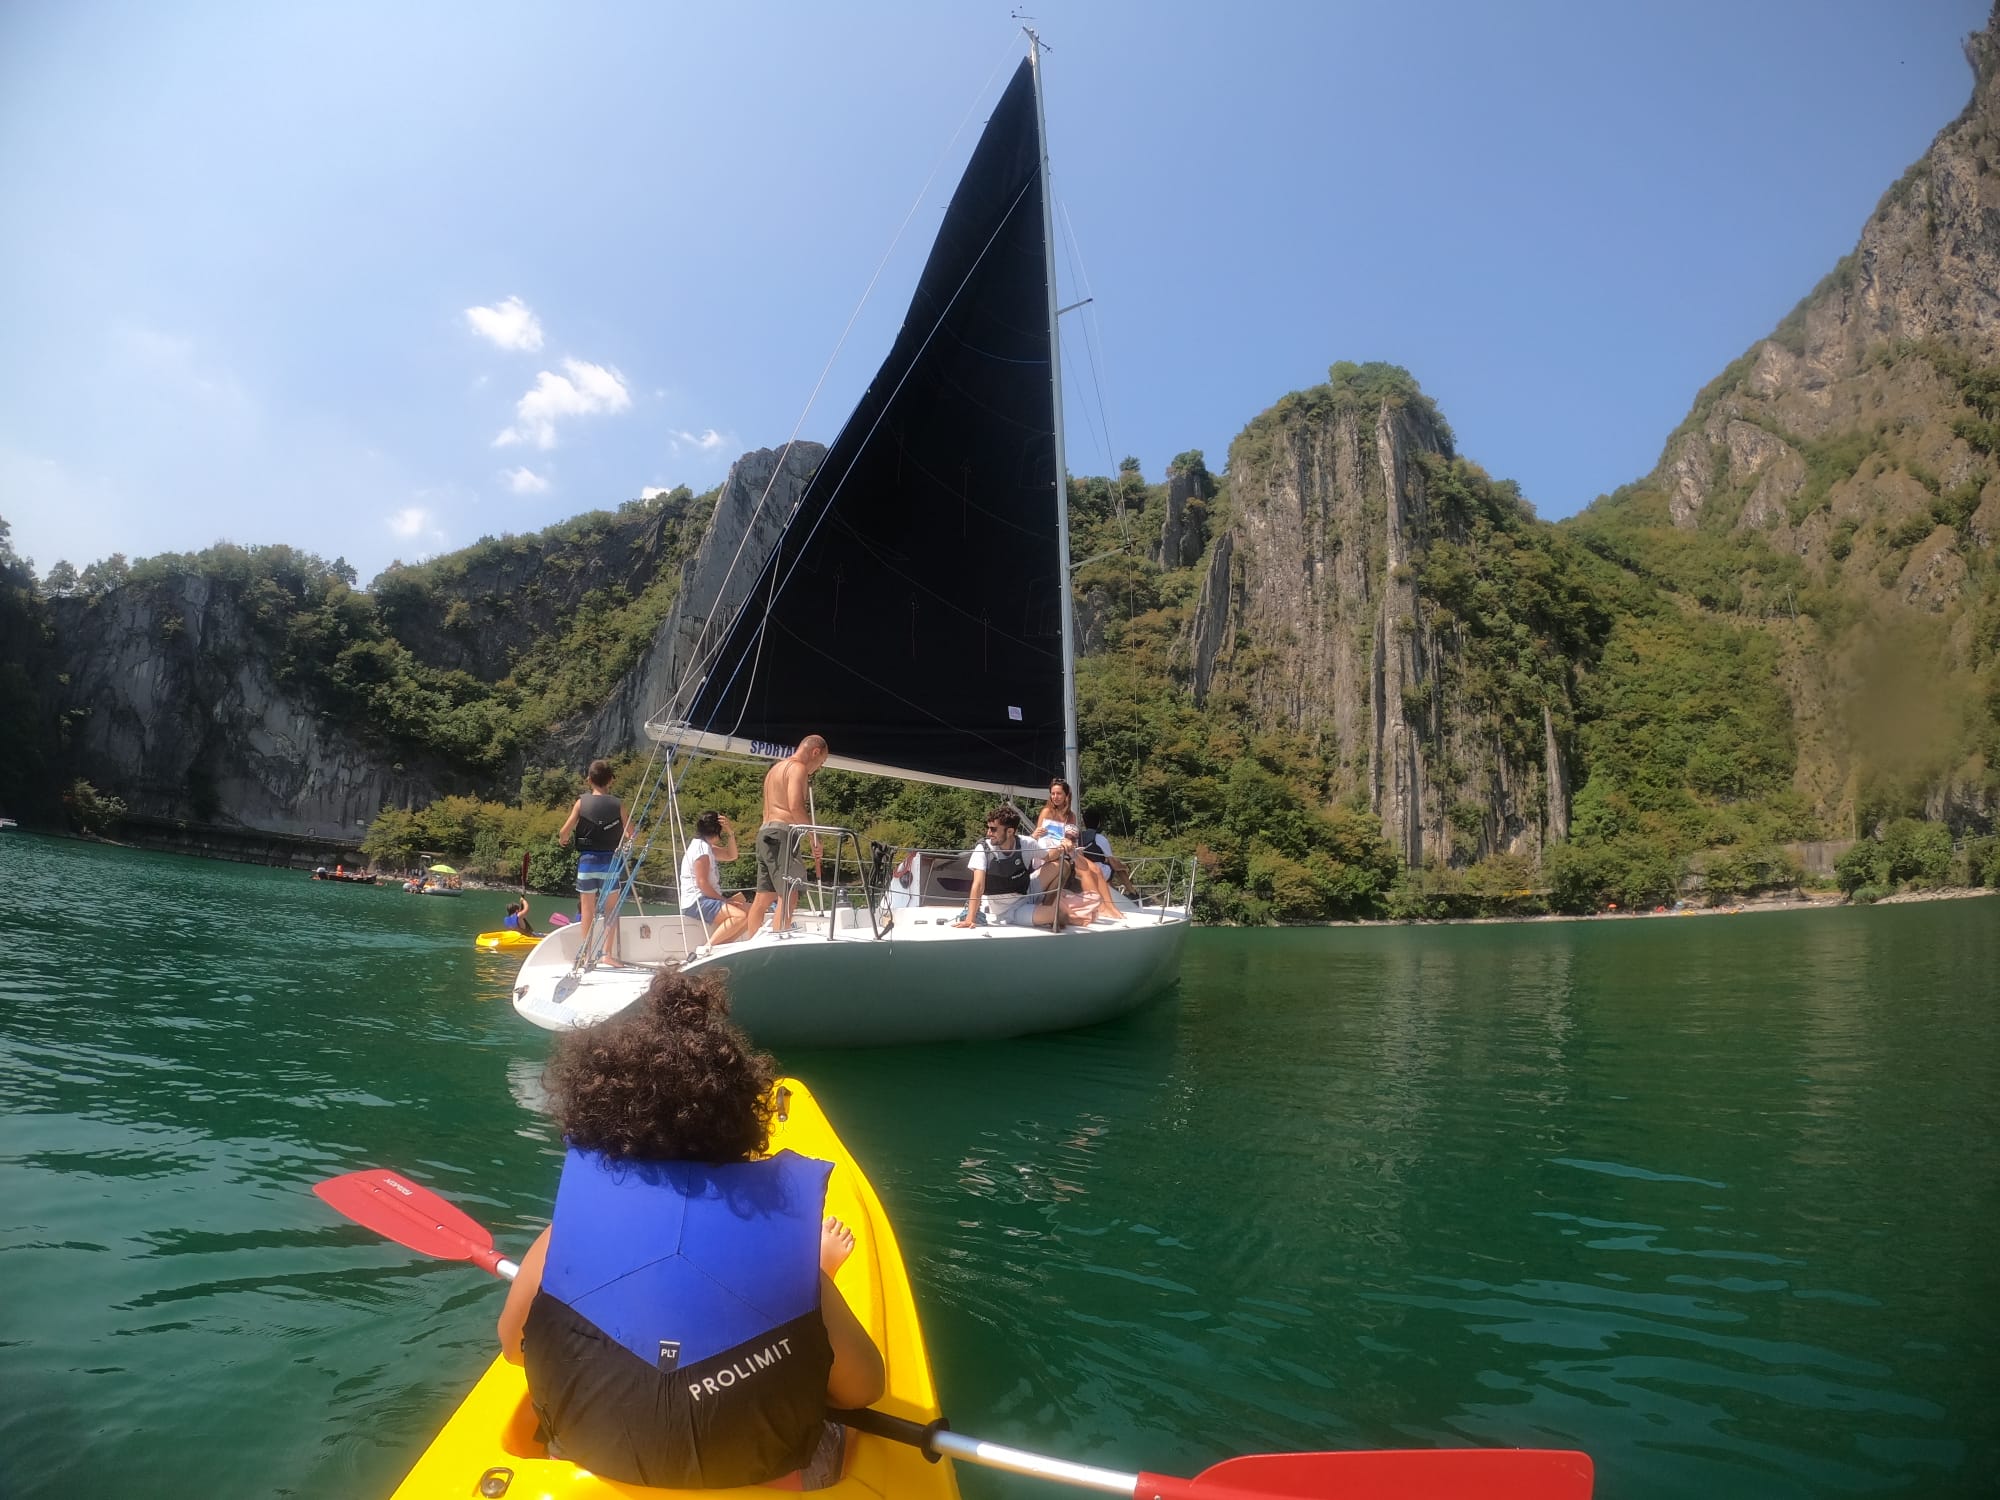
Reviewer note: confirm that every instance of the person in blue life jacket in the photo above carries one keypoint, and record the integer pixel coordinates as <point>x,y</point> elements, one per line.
<point>516,919</point>
<point>601,825</point>
<point>677,1322</point>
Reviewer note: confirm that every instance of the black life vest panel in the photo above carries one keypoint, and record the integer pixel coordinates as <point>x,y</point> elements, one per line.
<point>1007,870</point>
<point>600,823</point>
<point>676,1339</point>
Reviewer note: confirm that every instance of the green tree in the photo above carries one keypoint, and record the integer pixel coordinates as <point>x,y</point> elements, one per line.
<point>92,811</point>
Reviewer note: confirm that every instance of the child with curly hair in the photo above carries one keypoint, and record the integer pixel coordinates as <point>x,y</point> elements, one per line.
<point>678,1321</point>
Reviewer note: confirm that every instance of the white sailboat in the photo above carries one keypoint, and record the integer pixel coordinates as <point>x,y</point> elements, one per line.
<point>915,612</point>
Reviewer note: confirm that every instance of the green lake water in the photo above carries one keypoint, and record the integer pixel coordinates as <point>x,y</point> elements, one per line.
<point>1717,1200</point>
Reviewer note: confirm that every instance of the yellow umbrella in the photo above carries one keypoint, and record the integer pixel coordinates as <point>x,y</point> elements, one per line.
<point>443,870</point>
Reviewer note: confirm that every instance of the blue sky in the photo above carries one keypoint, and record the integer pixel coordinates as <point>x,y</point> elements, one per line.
<point>376,279</point>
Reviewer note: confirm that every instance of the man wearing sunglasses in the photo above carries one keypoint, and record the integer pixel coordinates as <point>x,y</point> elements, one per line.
<point>1005,864</point>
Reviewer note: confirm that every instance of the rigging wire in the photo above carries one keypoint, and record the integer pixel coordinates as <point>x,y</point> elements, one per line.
<point>1093,336</point>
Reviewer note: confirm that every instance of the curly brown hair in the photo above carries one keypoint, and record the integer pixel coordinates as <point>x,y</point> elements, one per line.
<point>671,1079</point>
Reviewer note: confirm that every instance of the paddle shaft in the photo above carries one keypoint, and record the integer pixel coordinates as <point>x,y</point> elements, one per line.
<point>939,1441</point>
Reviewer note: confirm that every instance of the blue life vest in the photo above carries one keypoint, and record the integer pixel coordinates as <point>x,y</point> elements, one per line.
<point>677,1339</point>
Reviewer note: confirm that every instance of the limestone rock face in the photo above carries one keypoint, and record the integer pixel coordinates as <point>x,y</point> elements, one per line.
<point>1860,444</point>
<point>173,703</point>
<point>757,499</point>
<point>1925,273</point>
<point>1310,612</point>
<point>1184,529</point>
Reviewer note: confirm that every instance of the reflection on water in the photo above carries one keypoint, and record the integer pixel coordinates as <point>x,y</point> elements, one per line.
<point>1713,1199</point>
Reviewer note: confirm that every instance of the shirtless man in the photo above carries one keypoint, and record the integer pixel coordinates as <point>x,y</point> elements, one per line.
<point>785,789</point>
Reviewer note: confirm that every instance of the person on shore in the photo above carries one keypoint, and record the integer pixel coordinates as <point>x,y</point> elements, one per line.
<point>601,826</point>
<point>787,803</point>
<point>727,918</point>
<point>1005,864</point>
<point>516,919</point>
<point>680,1252</point>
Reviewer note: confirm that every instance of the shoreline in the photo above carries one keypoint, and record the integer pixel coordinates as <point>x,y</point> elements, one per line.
<point>1800,901</point>
<point>1830,902</point>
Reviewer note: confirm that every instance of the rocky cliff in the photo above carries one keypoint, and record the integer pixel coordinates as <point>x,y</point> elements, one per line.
<point>173,701</point>
<point>1839,484</point>
<point>1314,611</point>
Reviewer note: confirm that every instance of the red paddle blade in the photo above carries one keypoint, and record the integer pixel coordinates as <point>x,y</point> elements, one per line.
<point>398,1209</point>
<point>1387,1474</point>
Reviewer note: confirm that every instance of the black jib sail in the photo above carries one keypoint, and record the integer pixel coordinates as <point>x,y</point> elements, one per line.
<point>912,611</point>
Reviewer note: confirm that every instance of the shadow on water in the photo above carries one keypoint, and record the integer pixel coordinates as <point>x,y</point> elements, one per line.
<point>1713,1199</point>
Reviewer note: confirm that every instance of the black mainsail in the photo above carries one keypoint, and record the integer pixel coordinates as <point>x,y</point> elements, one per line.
<point>913,610</point>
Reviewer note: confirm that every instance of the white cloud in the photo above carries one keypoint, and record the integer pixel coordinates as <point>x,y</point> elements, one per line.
<point>587,390</point>
<point>416,523</point>
<point>654,491</point>
<point>707,441</point>
<point>525,481</point>
<point>510,324</point>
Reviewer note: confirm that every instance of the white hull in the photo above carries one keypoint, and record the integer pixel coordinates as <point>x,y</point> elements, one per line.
<point>923,981</point>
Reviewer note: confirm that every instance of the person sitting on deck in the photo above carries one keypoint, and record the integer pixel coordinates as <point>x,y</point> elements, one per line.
<point>516,919</point>
<point>678,1322</point>
<point>1057,819</point>
<point>1005,864</point>
<point>727,918</point>
<point>1093,843</point>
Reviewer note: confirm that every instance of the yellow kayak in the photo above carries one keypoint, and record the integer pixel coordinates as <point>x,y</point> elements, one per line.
<point>505,940</point>
<point>491,1438</point>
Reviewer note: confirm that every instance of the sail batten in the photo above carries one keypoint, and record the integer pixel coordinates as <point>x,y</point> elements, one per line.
<point>913,610</point>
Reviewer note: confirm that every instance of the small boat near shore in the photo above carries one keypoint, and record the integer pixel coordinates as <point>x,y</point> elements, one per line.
<point>343,877</point>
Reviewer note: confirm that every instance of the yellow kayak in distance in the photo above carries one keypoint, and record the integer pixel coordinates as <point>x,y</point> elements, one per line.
<point>505,940</point>
<point>488,1447</point>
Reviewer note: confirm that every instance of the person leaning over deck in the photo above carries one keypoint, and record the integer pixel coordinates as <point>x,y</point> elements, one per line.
<point>726,917</point>
<point>1005,864</point>
<point>786,788</point>
<point>601,825</point>
<point>678,1323</point>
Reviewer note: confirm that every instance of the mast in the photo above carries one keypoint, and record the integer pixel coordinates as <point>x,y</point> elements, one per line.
<point>1062,466</point>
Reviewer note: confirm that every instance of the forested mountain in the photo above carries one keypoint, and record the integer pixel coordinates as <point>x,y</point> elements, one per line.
<point>1353,671</point>
<point>1838,486</point>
